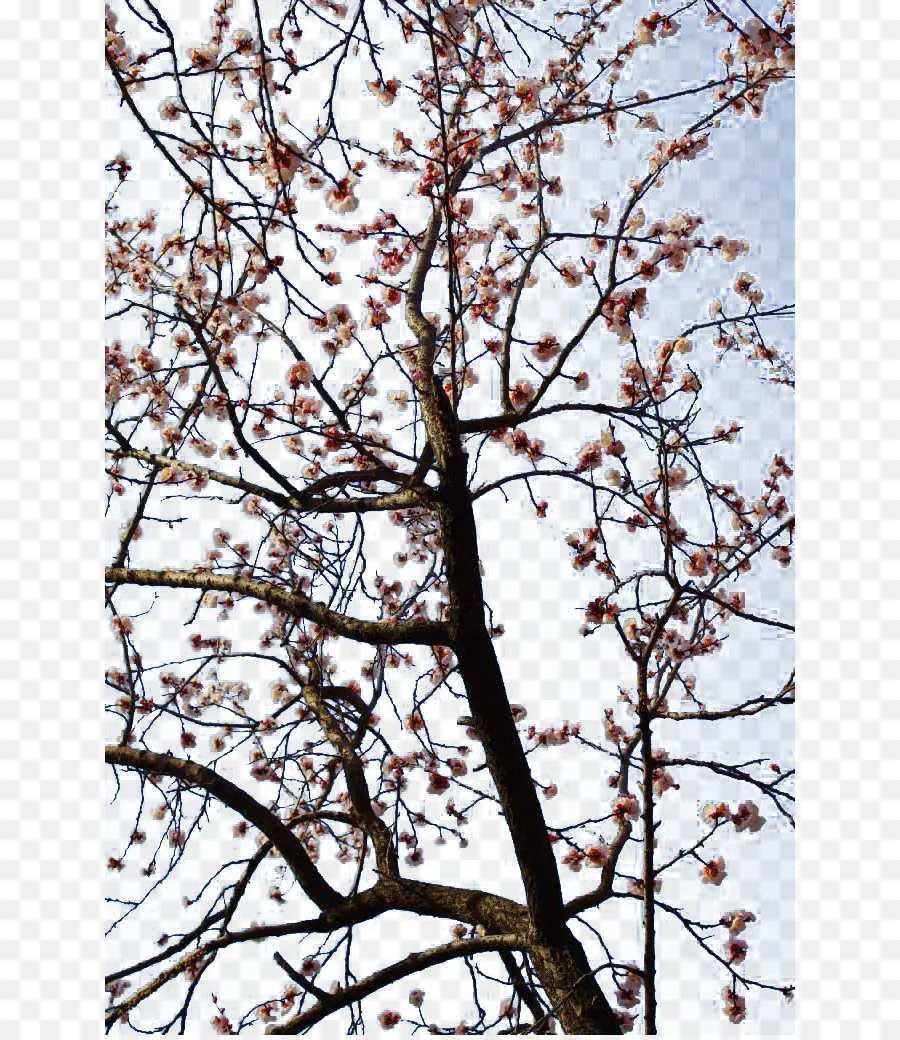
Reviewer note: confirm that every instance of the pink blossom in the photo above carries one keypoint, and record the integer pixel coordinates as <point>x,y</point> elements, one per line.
<point>282,161</point>
<point>737,921</point>
<point>743,283</point>
<point>438,783</point>
<point>627,999</point>
<point>713,811</point>
<point>713,873</point>
<point>628,992</point>
<point>610,444</point>
<point>644,32</point>
<point>521,393</point>
<point>747,818</point>
<point>614,731</point>
<point>636,887</point>
<point>385,92</point>
<point>698,564</point>
<point>117,988</point>
<point>662,782</point>
<point>340,198</point>
<point>573,859</point>
<point>626,1021</point>
<point>597,855</point>
<point>590,456</point>
<point>735,1007</point>
<point>122,625</point>
<point>570,275</point>
<point>676,477</point>
<point>204,57</point>
<point>528,91</point>
<point>547,347</point>
<point>171,109</point>
<point>730,248</point>
<point>626,807</point>
<point>783,555</point>
<point>299,374</point>
<point>601,612</point>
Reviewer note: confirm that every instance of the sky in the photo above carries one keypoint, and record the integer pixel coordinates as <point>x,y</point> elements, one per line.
<point>744,187</point>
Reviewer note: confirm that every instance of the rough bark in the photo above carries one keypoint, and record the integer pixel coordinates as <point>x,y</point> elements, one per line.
<point>572,987</point>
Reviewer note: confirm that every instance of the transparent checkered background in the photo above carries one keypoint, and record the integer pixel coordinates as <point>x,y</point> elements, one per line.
<point>50,200</point>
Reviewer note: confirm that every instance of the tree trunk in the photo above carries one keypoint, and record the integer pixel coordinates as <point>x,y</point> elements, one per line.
<point>558,957</point>
<point>489,706</point>
<point>572,988</point>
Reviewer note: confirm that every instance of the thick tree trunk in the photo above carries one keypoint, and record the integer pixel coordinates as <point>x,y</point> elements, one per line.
<point>572,988</point>
<point>558,957</point>
<point>489,707</point>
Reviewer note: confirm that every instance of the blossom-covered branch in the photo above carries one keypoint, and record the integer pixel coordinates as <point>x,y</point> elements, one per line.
<point>422,632</point>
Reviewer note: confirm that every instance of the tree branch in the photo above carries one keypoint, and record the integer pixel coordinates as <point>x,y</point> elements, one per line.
<point>197,775</point>
<point>415,962</point>
<point>295,604</point>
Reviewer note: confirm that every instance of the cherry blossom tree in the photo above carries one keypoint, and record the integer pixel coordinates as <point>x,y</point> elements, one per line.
<point>333,352</point>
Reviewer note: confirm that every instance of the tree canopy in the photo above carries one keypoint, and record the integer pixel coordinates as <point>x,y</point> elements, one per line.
<point>365,324</point>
